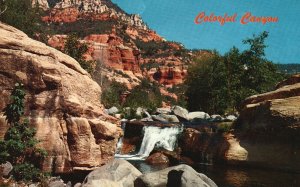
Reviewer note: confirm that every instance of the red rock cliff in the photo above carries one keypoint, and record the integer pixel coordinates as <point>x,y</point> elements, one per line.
<point>62,102</point>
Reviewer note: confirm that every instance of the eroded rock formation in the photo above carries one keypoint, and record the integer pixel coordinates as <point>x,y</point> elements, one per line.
<point>62,102</point>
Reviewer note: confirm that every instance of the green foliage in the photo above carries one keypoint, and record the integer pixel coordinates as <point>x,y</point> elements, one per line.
<point>15,110</point>
<point>289,68</point>
<point>111,94</point>
<point>146,95</point>
<point>179,90</point>
<point>218,84</point>
<point>224,127</point>
<point>19,144</point>
<point>153,48</point>
<point>27,172</point>
<point>76,50</point>
<point>21,14</point>
<point>206,84</point>
<point>130,113</point>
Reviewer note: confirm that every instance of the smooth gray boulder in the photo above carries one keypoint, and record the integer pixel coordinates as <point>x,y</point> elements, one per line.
<point>165,118</point>
<point>159,118</point>
<point>197,115</point>
<point>179,111</point>
<point>231,118</point>
<point>184,175</point>
<point>116,173</point>
<point>163,110</point>
<point>216,118</point>
<point>112,110</point>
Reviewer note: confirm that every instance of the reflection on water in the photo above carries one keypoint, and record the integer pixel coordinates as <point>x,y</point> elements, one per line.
<point>236,177</point>
<point>241,177</point>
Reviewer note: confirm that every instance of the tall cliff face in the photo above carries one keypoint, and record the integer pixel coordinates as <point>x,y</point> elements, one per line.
<point>113,37</point>
<point>62,102</point>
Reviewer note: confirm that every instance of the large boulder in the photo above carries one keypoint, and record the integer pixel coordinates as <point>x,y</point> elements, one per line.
<point>181,112</point>
<point>185,176</point>
<point>197,115</point>
<point>157,159</point>
<point>62,103</point>
<point>117,173</point>
<point>165,118</point>
<point>268,126</point>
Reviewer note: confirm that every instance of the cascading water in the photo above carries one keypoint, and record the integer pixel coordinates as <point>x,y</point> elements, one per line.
<point>120,142</point>
<point>160,138</point>
<point>154,137</point>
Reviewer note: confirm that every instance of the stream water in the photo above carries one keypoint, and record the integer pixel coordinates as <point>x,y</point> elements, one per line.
<point>223,175</point>
<point>228,176</point>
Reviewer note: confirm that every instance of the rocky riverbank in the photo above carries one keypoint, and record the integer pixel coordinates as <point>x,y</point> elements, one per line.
<point>120,173</point>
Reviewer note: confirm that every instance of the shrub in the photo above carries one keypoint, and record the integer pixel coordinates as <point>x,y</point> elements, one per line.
<point>19,144</point>
<point>21,15</point>
<point>27,172</point>
<point>111,94</point>
<point>224,127</point>
<point>146,95</point>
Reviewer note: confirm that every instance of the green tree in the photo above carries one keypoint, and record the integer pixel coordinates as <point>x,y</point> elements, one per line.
<point>75,49</point>
<point>260,75</point>
<point>21,14</point>
<point>146,95</point>
<point>19,144</point>
<point>206,85</point>
<point>219,84</point>
<point>111,95</point>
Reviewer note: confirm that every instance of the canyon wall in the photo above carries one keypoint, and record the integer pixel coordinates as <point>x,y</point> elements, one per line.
<point>62,103</point>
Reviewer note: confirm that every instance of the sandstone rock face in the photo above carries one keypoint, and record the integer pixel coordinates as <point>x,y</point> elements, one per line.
<point>168,75</point>
<point>62,103</point>
<point>185,176</point>
<point>117,173</point>
<point>91,9</point>
<point>269,126</point>
<point>279,108</point>
<point>106,49</point>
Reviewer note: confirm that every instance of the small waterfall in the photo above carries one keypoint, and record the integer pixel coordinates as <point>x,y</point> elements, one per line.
<point>120,142</point>
<point>154,137</point>
<point>158,137</point>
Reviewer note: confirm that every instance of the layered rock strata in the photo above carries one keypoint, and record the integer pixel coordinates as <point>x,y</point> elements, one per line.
<point>62,103</point>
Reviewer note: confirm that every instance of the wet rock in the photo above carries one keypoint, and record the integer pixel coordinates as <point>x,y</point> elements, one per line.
<point>119,173</point>
<point>183,174</point>
<point>157,159</point>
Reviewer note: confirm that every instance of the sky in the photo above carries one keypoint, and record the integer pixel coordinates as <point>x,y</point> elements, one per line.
<point>174,20</point>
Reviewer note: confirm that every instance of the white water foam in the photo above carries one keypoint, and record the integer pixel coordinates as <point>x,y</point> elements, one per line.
<point>155,137</point>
